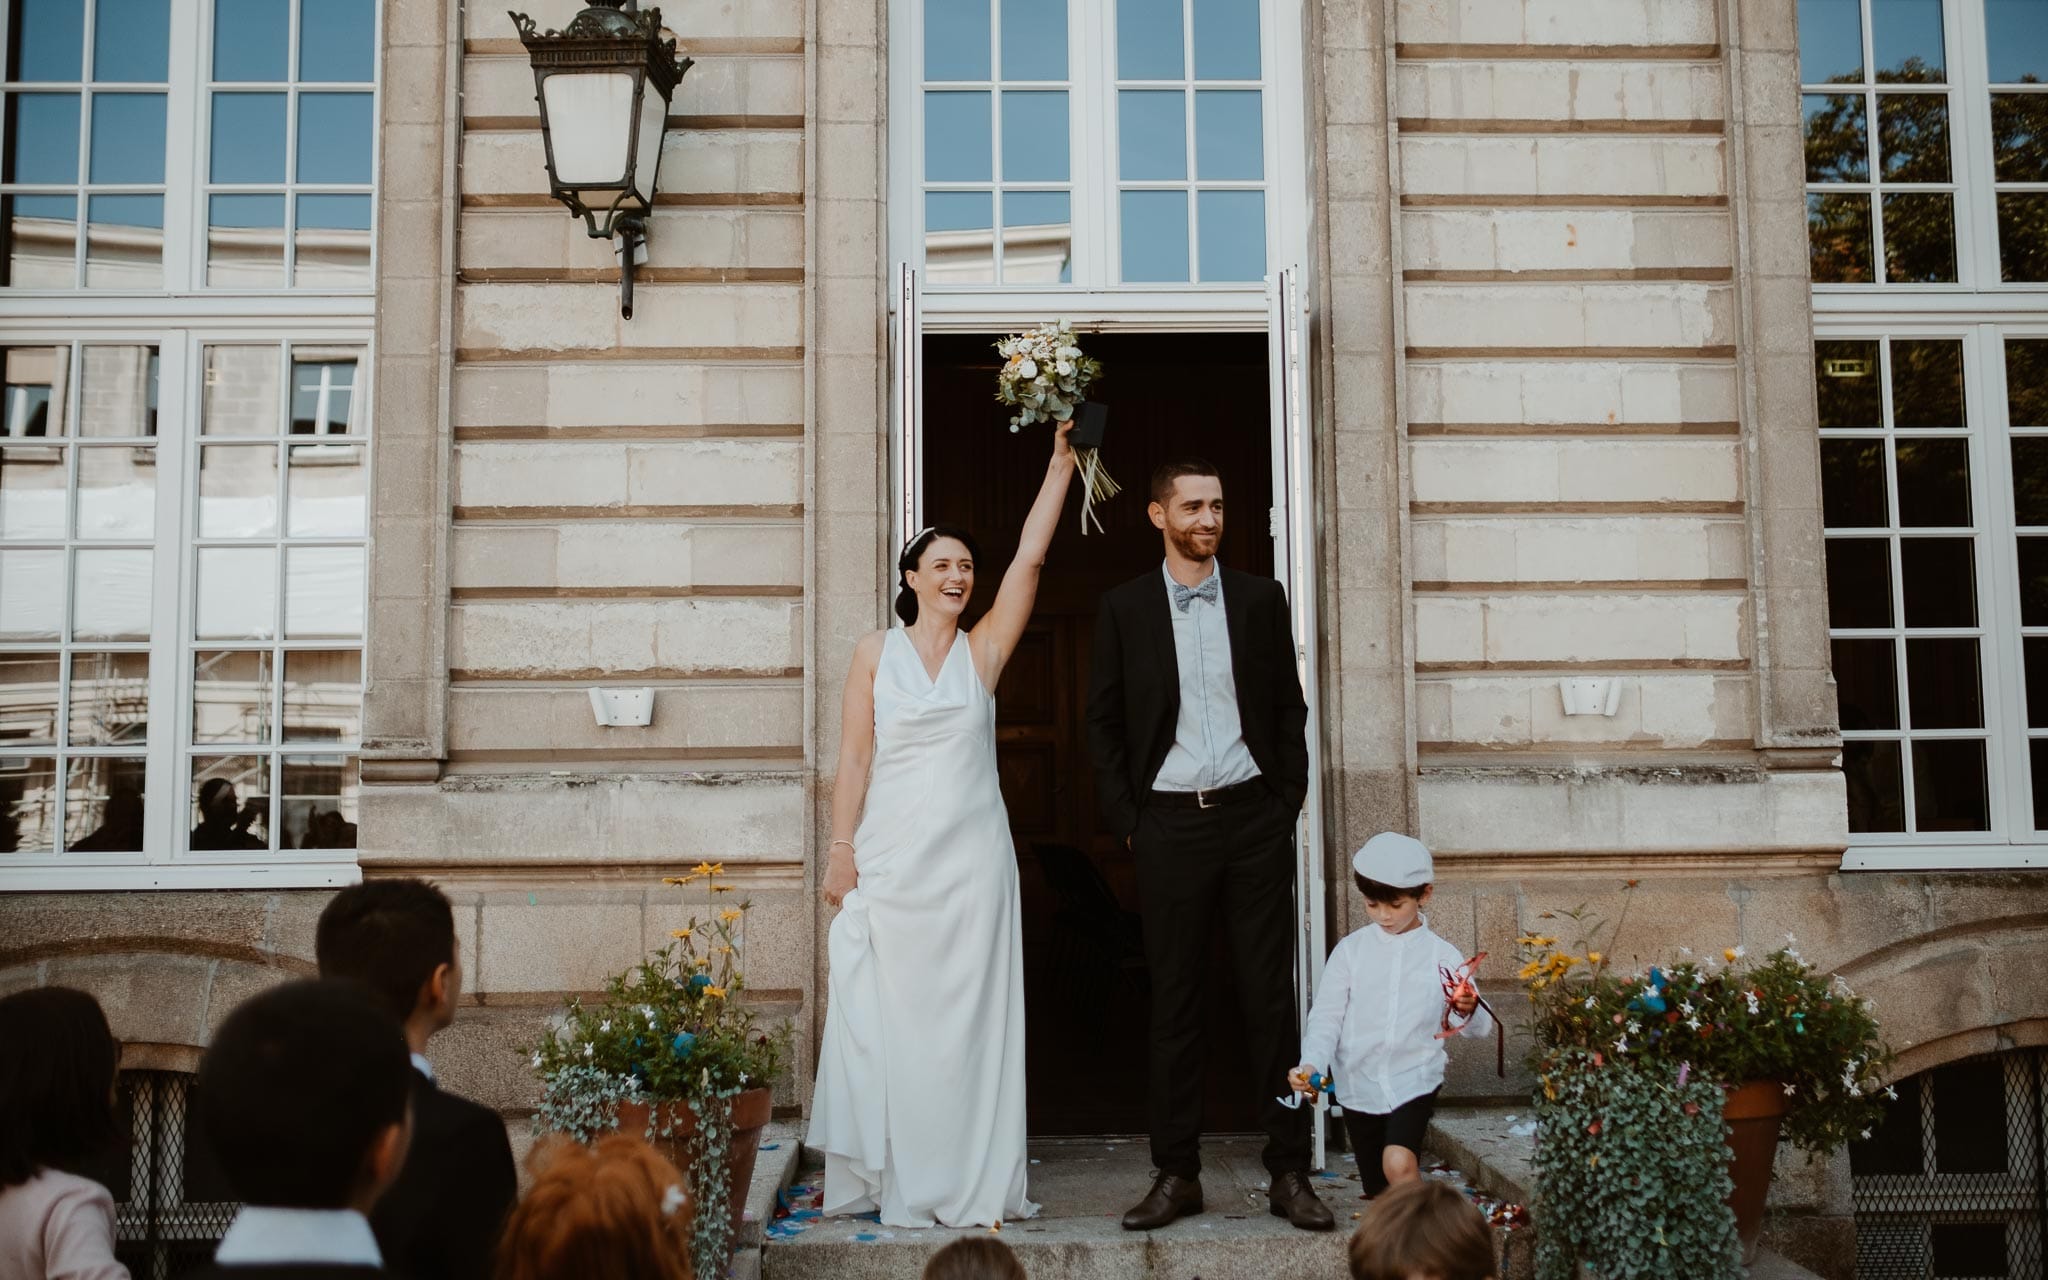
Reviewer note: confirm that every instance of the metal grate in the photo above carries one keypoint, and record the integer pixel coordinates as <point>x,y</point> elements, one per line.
<point>171,1204</point>
<point>1954,1182</point>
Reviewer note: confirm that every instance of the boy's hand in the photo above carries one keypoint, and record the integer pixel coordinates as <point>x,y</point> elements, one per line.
<point>1297,1079</point>
<point>1465,1001</point>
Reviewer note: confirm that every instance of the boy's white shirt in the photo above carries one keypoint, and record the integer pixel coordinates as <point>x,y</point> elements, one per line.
<point>1376,1015</point>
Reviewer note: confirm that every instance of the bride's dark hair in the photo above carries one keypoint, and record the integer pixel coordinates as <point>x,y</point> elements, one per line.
<point>913,551</point>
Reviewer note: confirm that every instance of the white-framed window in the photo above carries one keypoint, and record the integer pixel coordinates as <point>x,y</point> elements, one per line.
<point>184,439</point>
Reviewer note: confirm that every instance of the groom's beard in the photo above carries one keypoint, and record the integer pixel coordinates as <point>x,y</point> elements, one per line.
<point>1194,543</point>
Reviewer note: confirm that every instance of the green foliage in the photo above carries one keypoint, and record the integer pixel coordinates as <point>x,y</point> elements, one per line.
<point>1044,374</point>
<point>583,1102</point>
<point>1632,1174</point>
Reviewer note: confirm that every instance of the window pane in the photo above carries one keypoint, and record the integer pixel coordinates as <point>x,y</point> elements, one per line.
<point>230,803</point>
<point>37,385</point>
<point>248,137</point>
<point>958,138</point>
<point>109,699</point>
<point>1919,239</point>
<point>1866,683</point>
<point>2019,137</point>
<point>327,491</point>
<point>237,593</point>
<point>323,396</point>
<point>1229,139</point>
<point>1148,40</point>
<point>1852,484</point>
<point>28,699</point>
<point>2033,553</point>
<point>323,695</point>
<point>2037,761</point>
<point>1155,236</point>
<point>2022,236</point>
<point>120,392</point>
<point>1927,383</point>
<point>1233,235</point>
<point>231,694</point>
<point>1859,582</point>
<point>323,592</point>
<point>28,805</point>
<point>1877,789</point>
<point>245,242</point>
<point>959,237</point>
<point>334,137</point>
<point>42,138</point>
<point>1905,39</point>
<point>128,137</point>
<point>1939,576</point>
<point>1035,137</point>
<point>131,41</point>
<point>2018,43</point>
<point>2036,648</point>
<point>1934,483</point>
<point>117,493</point>
<point>1152,135</point>
<point>1830,41</point>
<point>1949,792</point>
<point>2030,480</point>
<point>1838,232</point>
<point>319,794</point>
<point>1038,238</point>
<point>1227,40</point>
<point>337,40</point>
<point>1034,40</point>
<point>42,241</point>
<point>251,39</point>
<point>332,243</point>
<point>1943,684</point>
<point>238,491</point>
<point>103,804</point>
<point>124,242</point>
<point>956,39</point>
<point>2026,381</point>
<point>1912,136</point>
<point>32,489</point>
<point>241,397</point>
<point>31,594</point>
<point>1847,383</point>
<point>49,40</point>
<point>110,597</point>
<point>1837,138</point>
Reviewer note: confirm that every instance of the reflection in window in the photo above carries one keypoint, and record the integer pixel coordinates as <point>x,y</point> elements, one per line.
<point>2019,148</point>
<point>2026,383</point>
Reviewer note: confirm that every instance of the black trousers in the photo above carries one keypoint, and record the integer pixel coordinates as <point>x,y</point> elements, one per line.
<point>1370,1135</point>
<point>1201,870</point>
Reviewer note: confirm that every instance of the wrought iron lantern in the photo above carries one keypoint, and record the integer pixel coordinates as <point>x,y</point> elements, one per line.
<point>604,84</point>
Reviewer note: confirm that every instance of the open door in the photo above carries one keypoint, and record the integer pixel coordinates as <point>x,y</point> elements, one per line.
<point>1294,564</point>
<point>906,404</point>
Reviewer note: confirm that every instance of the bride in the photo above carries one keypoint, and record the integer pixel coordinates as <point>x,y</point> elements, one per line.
<point>920,1101</point>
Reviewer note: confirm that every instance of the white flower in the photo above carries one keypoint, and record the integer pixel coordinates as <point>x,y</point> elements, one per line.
<point>1741,952</point>
<point>536,1062</point>
<point>1635,1028</point>
<point>588,1051</point>
<point>1064,368</point>
<point>1791,1089</point>
<point>743,1077</point>
<point>1589,1002</point>
<point>1791,941</point>
<point>1891,1093</point>
<point>1029,369</point>
<point>606,1025</point>
<point>1685,951</point>
<point>1751,997</point>
<point>1866,1135</point>
<point>1685,1006</point>
<point>1694,1023</point>
<point>1621,1045</point>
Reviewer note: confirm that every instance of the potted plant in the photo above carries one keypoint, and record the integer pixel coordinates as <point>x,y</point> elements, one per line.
<point>1790,1050</point>
<point>672,1052</point>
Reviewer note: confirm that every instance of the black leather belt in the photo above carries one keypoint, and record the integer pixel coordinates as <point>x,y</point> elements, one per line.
<point>1215,798</point>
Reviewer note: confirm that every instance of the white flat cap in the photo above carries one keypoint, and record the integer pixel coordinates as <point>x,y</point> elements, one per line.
<point>1393,859</point>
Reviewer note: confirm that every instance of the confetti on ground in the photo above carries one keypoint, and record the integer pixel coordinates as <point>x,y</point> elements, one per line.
<point>771,1146</point>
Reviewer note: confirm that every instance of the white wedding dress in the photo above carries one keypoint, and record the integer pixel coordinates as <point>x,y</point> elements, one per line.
<point>920,1101</point>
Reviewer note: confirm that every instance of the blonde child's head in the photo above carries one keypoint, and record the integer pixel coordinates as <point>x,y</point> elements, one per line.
<point>975,1258</point>
<point>1423,1230</point>
<point>614,1208</point>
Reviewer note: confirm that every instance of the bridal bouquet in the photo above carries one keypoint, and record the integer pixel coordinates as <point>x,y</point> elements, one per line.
<point>1046,377</point>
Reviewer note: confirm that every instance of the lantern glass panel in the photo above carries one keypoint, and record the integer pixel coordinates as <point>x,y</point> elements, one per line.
<point>647,147</point>
<point>590,119</point>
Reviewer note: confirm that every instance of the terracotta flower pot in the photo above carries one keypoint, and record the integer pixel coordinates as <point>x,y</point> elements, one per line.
<point>750,1111</point>
<point>1754,1112</point>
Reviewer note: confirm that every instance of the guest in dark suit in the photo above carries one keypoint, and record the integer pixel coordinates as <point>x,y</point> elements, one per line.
<point>305,1101</point>
<point>1198,729</point>
<point>441,1221</point>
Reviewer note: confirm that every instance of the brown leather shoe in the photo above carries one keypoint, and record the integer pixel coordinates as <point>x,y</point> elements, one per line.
<point>1293,1199</point>
<point>1171,1197</point>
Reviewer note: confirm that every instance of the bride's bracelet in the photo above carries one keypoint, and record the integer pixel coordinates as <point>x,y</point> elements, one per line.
<point>836,843</point>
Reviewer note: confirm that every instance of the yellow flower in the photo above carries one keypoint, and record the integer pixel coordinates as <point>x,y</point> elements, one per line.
<point>723,951</point>
<point>678,933</point>
<point>715,991</point>
<point>729,915</point>
<point>1593,956</point>
<point>677,879</point>
<point>1729,955</point>
<point>1536,940</point>
<point>1530,970</point>
<point>721,888</point>
<point>706,869</point>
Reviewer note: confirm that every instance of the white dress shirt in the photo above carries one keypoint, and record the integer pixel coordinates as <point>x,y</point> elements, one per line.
<point>268,1236</point>
<point>1376,1015</point>
<point>421,1065</point>
<point>1208,737</point>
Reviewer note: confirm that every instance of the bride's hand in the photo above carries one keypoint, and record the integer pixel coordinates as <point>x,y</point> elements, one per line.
<point>1060,447</point>
<point>840,876</point>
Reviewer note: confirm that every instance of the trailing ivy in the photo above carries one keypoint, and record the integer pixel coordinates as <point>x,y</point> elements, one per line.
<point>583,1102</point>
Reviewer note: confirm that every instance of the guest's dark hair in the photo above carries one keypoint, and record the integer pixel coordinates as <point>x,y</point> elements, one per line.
<point>1375,891</point>
<point>1423,1228</point>
<point>1164,475</point>
<point>974,1258</point>
<point>913,551</point>
<point>389,935</point>
<point>300,1082</point>
<point>57,1063</point>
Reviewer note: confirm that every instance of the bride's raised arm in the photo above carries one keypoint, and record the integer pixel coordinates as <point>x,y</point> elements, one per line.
<point>995,637</point>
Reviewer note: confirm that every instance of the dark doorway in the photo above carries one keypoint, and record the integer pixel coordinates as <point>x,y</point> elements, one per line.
<point>1169,395</point>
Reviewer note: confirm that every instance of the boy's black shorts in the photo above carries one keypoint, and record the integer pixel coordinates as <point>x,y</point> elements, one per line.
<point>1370,1134</point>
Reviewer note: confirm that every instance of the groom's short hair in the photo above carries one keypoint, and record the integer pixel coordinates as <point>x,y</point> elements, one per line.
<point>1167,473</point>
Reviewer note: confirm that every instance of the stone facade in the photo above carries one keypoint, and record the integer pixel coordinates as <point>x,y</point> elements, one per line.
<point>1564,425</point>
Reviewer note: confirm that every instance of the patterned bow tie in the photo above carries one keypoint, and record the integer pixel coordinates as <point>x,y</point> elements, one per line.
<point>1183,595</point>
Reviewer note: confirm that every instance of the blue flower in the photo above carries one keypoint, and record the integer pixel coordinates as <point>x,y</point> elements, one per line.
<point>683,1044</point>
<point>700,980</point>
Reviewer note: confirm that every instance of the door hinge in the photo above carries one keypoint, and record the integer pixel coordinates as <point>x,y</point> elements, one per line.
<point>1272,522</point>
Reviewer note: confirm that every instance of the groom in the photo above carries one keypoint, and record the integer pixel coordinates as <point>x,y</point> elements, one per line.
<point>1198,729</point>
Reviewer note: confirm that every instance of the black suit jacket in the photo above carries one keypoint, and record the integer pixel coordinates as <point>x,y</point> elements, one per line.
<point>287,1271</point>
<point>1134,691</point>
<point>441,1219</point>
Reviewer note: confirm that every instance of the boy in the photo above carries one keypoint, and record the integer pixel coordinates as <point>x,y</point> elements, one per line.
<point>441,1221</point>
<point>304,1100</point>
<point>1379,1010</point>
<point>1423,1230</point>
